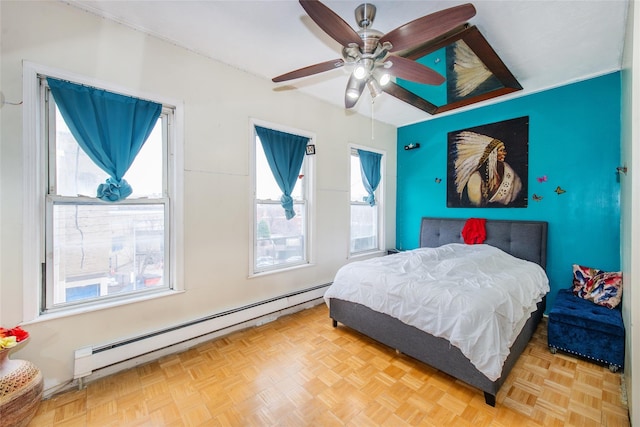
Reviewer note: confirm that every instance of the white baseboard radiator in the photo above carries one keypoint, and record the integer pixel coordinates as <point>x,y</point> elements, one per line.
<point>184,336</point>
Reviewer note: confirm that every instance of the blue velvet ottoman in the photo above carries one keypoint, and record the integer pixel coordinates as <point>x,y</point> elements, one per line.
<point>580,327</point>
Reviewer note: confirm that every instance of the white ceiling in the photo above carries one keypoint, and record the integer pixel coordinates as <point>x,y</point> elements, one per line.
<point>544,43</point>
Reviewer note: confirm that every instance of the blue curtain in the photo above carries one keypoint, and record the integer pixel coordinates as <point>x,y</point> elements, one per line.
<point>109,127</point>
<point>370,171</point>
<point>285,153</point>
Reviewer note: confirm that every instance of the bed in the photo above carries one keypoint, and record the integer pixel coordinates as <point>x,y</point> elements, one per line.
<point>526,240</point>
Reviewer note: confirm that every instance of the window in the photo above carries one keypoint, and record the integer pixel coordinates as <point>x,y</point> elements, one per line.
<point>279,242</point>
<point>96,252</point>
<point>366,220</point>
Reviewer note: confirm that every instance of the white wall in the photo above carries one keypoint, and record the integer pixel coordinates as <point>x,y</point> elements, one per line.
<point>219,102</point>
<point>630,202</point>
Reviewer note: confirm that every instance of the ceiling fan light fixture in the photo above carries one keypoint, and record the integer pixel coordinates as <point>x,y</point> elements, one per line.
<point>353,89</point>
<point>364,68</point>
<point>384,79</point>
<point>374,88</point>
<point>360,72</point>
<point>366,52</point>
<point>353,93</point>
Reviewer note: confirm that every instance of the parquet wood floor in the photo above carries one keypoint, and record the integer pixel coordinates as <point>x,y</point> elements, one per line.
<point>300,371</point>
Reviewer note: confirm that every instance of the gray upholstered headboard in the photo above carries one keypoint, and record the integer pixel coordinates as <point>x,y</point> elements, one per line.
<point>522,239</point>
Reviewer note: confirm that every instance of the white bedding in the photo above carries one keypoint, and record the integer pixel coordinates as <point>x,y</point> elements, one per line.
<point>476,296</point>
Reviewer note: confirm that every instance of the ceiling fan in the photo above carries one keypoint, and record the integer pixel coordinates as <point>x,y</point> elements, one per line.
<point>375,56</point>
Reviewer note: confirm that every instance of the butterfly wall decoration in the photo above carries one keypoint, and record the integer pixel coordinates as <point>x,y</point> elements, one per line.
<point>559,190</point>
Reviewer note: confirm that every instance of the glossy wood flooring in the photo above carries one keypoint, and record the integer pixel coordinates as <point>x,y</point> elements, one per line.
<point>300,371</point>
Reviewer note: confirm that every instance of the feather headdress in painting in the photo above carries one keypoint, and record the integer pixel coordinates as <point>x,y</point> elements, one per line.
<point>474,149</point>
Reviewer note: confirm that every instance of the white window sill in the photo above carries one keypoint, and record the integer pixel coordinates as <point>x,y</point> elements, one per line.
<point>368,254</point>
<point>99,306</point>
<point>280,270</point>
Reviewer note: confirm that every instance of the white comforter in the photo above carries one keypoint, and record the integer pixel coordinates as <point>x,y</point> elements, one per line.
<point>476,296</point>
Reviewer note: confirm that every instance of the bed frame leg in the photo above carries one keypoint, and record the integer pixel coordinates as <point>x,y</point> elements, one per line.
<point>489,399</point>
<point>335,323</point>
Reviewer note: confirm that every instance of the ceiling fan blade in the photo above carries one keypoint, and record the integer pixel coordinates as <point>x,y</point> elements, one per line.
<point>409,97</point>
<point>411,70</point>
<point>428,27</point>
<point>311,69</point>
<point>354,90</point>
<point>331,23</point>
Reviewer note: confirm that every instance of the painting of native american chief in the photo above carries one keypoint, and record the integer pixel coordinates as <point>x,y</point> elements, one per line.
<point>487,166</point>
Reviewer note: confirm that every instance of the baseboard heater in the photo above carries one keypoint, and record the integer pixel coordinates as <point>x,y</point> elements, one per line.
<point>89,359</point>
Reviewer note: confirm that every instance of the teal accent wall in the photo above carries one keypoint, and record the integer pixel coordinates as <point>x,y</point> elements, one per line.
<point>574,139</point>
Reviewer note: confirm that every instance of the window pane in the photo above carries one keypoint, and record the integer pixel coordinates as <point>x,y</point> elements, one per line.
<point>364,228</point>
<point>107,250</point>
<point>358,192</point>
<point>77,174</point>
<point>145,174</point>
<point>266,185</point>
<point>279,241</point>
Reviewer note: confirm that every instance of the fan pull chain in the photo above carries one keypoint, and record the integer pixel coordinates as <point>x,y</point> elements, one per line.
<point>372,122</point>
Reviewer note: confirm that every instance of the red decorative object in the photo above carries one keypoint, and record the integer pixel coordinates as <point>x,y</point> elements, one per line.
<point>474,231</point>
<point>21,386</point>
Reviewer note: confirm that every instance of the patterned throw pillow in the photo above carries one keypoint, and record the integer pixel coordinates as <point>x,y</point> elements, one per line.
<point>582,275</point>
<point>602,288</point>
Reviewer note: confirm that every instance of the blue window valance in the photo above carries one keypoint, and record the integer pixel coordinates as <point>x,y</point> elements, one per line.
<point>109,127</point>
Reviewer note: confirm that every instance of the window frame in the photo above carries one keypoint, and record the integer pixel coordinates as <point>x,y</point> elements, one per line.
<point>379,195</point>
<point>36,198</point>
<point>308,193</point>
